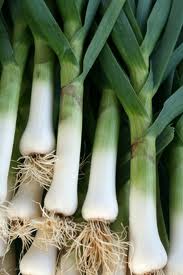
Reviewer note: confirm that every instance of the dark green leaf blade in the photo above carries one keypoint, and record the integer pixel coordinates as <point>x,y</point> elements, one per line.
<point>89,17</point>
<point>80,4</point>
<point>133,22</point>
<point>155,25</point>
<point>15,8</point>
<point>173,107</point>
<point>128,47</point>
<point>175,59</point>
<point>164,139</point>
<point>43,23</point>
<point>120,83</point>
<point>6,50</point>
<point>69,11</point>
<point>163,53</point>
<point>133,5</point>
<point>1,3</point>
<point>102,33</point>
<point>143,10</point>
<point>179,128</point>
<point>70,15</point>
<point>90,14</point>
<point>127,44</point>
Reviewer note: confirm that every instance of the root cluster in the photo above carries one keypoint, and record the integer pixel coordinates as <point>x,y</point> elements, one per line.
<point>37,168</point>
<point>57,231</point>
<point>22,229</point>
<point>97,246</point>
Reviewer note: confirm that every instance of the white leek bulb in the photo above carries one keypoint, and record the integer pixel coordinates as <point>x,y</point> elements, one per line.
<point>99,205</point>
<point>39,260</point>
<point>25,203</point>
<point>67,265</point>
<point>38,136</point>
<point>101,202</point>
<point>7,130</point>
<point>146,249</point>
<point>62,196</point>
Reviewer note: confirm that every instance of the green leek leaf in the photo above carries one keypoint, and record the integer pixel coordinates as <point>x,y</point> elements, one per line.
<point>120,83</point>
<point>6,50</point>
<point>155,25</point>
<point>173,107</point>
<point>1,3</point>
<point>80,4</point>
<point>127,44</point>
<point>164,139</point>
<point>168,86</point>
<point>42,22</point>
<point>69,10</point>
<point>179,128</point>
<point>133,22</point>
<point>102,33</point>
<point>70,15</point>
<point>89,17</point>
<point>148,85</point>
<point>16,12</point>
<point>143,10</point>
<point>132,5</point>
<point>165,49</point>
<point>90,14</point>
<point>175,59</point>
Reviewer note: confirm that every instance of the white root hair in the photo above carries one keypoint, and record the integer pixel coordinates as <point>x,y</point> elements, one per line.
<point>37,167</point>
<point>3,272</point>
<point>22,229</point>
<point>98,246</point>
<point>57,230</point>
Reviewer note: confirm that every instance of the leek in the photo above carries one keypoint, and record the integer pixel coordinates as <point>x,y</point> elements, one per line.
<point>13,63</point>
<point>96,244</point>
<point>147,253</point>
<point>36,145</point>
<point>69,46</point>
<point>175,160</point>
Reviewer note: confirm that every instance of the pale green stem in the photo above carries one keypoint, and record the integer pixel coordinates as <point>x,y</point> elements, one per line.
<point>107,131</point>
<point>176,176</point>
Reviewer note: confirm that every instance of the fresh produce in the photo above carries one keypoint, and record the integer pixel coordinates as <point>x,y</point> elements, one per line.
<point>174,264</point>
<point>91,112</point>
<point>36,146</point>
<point>101,246</point>
<point>174,164</point>
<point>61,198</point>
<point>136,97</point>
<point>13,58</point>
